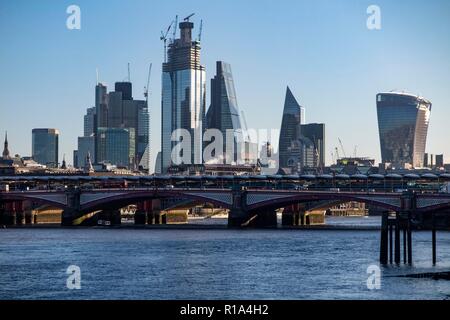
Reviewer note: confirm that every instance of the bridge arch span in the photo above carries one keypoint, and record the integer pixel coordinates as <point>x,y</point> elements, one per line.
<point>387,202</point>
<point>99,201</point>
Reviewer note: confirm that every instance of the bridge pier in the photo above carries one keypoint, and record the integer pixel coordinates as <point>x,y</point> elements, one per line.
<point>292,216</point>
<point>397,238</point>
<point>140,216</point>
<point>20,213</point>
<point>9,214</point>
<point>384,238</point>
<point>433,238</point>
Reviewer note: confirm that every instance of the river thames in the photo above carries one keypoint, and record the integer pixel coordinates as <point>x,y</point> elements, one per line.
<point>208,263</point>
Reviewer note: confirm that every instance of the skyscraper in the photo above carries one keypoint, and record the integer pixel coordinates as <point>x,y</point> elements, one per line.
<point>403,124</point>
<point>89,122</point>
<point>125,112</point>
<point>85,145</point>
<point>183,95</point>
<point>45,146</point>
<point>116,146</point>
<point>223,114</point>
<point>315,132</point>
<point>290,127</point>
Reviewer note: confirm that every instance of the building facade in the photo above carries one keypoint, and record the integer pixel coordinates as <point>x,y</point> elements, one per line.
<point>45,144</point>
<point>183,96</point>
<point>115,146</point>
<point>223,113</point>
<point>89,122</point>
<point>403,121</point>
<point>86,145</point>
<point>290,128</point>
<point>315,132</point>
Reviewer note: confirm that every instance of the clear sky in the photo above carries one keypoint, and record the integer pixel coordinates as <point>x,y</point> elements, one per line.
<point>322,49</point>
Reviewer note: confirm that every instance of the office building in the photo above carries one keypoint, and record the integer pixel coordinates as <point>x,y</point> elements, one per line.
<point>86,145</point>
<point>89,122</point>
<point>439,160</point>
<point>183,96</point>
<point>290,128</point>
<point>315,132</point>
<point>403,121</point>
<point>223,114</point>
<point>116,146</point>
<point>45,146</point>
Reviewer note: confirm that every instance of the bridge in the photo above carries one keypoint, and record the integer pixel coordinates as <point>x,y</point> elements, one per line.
<point>251,201</point>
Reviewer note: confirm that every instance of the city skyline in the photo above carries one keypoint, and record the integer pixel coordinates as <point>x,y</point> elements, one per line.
<point>352,74</point>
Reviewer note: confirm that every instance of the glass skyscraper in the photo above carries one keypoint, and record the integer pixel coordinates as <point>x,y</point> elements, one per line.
<point>403,124</point>
<point>223,114</point>
<point>86,145</point>
<point>45,146</point>
<point>316,133</point>
<point>183,95</point>
<point>116,146</point>
<point>290,127</point>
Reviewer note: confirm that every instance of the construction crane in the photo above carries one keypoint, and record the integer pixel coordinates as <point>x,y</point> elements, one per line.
<point>188,17</point>
<point>342,148</point>
<point>163,37</point>
<point>174,32</point>
<point>146,88</point>
<point>336,150</point>
<point>199,38</point>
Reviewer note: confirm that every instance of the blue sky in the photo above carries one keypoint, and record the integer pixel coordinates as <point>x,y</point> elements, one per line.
<point>322,49</point>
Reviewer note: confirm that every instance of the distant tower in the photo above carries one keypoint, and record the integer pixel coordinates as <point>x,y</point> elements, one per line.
<point>5,149</point>
<point>64,165</point>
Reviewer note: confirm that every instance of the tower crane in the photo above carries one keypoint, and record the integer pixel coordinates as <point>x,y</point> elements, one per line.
<point>174,32</point>
<point>342,148</point>
<point>336,150</point>
<point>146,88</point>
<point>188,17</point>
<point>199,38</point>
<point>163,37</point>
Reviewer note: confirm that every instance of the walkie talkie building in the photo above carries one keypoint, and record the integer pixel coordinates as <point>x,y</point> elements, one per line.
<point>403,125</point>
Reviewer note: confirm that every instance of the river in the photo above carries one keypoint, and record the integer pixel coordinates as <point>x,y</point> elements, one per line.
<point>207,263</point>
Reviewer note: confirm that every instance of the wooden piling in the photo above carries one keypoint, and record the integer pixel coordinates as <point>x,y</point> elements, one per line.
<point>384,239</point>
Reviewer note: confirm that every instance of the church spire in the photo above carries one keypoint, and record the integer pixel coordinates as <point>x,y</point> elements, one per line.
<point>5,154</point>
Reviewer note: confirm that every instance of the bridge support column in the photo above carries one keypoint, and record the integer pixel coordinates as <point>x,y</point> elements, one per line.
<point>140,216</point>
<point>157,215</point>
<point>2,211</point>
<point>148,205</point>
<point>291,215</point>
<point>409,237</point>
<point>20,214</point>
<point>384,238</point>
<point>405,245</point>
<point>9,214</point>
<point>28,207</point>
<point>433,238</point>
<point>391,242</point>
<point>73,207</point>
<point>397,238</point>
